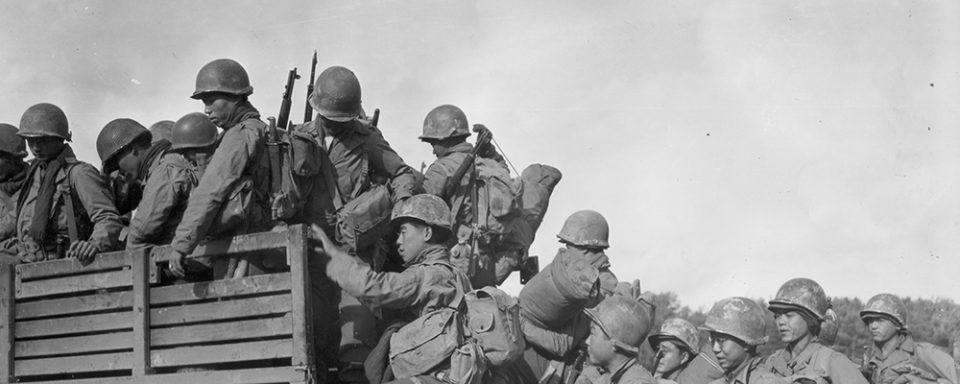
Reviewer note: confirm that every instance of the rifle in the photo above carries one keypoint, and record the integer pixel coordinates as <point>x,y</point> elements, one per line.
<point>308,111</point>
<point>274,153</point>
<point>284,116</point>
<point>483,139</point>
<point>376,117</point>
<point>656,363</point>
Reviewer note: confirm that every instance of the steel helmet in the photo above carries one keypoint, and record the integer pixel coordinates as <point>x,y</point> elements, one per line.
<point>624,320</point>
<point>161,130</point>
<point>887,306</point>
<point>11,143</point>
<point>336,94</point>
<point>117,135</point>
<point>444,122</point>
<point>193,130</point>
<point>677,330</point>
<point>803,294</point>
<point>44,120</point>
<point>427,208</point>
<point>739,317</point>
<point>586,229</point>
<point>223,76</point>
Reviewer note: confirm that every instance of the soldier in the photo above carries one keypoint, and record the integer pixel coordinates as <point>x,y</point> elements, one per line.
<point>161,130</point>
<point>619,325</point>
<point>238,172</point>
<point>128,152</point>
<point>361,160</point>
<point>554,352</point>
<point>737,327</point>
<point>64,208</point>
<point>800,308</point>
<point>895,357</point>
<point>13,172</point>
<point>446,130</point>
<point>428,283</point>
<point>360,155</point>
<point>680,356</point>
<point>585,235</point>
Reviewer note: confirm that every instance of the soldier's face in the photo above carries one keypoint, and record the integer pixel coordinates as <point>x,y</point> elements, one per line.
<point>219,107</point>
<point>881,329</point>
<point>730,351</point>
<point>129,164</point>
<point>792,326</point>
<point>599,346</point>
<point>587,252</point>
<point>412,239</point>
<point>45,148</point>
<point>671,357</point>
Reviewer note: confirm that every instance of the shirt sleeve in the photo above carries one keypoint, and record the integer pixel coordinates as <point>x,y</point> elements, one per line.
<point>403,179</point>
<point>375,289</point>
<point>238,147</point>
<point>163,192</point>
<point>943,366</point>
<point>842,370</point>
<point>92,191</point>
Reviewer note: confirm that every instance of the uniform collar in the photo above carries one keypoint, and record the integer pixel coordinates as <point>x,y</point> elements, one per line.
<point>463,147</point>
<point>432,253</point>
<point>742,373</point>
<point>245,111</point>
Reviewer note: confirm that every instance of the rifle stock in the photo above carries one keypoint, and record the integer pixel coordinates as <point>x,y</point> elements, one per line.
<point>450,186</point>
<point>284,116</point>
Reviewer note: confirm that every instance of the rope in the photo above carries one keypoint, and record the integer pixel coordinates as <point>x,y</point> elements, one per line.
<point>504,154</point>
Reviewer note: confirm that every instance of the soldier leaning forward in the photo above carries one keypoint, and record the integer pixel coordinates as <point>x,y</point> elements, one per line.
<point>64,208</point>
<point>128,155</point>
<point>362,160</point>
<point>446,130</point>
<point>681,357</point>
<point>895,357</point>
<point>737,327</point>
<point>13,173</point>
<point>428,286</point>
<point>800,308</point>
<point>237,179</point>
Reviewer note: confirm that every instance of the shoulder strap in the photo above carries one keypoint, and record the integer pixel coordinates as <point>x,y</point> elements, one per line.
<point>72,228</point>
<point>459,297</point>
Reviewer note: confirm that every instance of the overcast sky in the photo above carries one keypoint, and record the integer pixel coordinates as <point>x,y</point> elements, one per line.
<point>732,145</point>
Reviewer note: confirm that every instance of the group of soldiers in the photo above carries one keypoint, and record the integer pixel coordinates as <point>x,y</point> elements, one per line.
<point>213,174</point>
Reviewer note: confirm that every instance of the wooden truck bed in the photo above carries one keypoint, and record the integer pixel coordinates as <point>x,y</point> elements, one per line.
<point>108,322</point>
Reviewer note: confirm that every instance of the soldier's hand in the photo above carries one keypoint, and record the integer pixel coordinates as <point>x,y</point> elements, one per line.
<point>176,263</point>
<point>82,250</point>
<point>329,247</point>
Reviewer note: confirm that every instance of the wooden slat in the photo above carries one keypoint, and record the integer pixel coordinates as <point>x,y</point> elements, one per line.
<point>71,325</point>
<point>248,307</point>
<point>140,275</point>
<point>6,322</point>
<point>73,284</point>
<point>257,350</point>
<point>79,304</point>
<point>75,344</point>
<point>110,260</point>
<point>300,295</point>
<point>275,282</point>
<point>205,333</point>
<point>239,376</point>
<point>237,244</point>
<point>73,364</point>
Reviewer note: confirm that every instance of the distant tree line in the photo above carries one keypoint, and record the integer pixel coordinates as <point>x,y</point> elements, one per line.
<point>934,321</point>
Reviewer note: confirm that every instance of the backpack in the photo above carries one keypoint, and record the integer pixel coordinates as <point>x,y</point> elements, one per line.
<point>497,201</point>
<point>486,318</point>
<point>296,160</point>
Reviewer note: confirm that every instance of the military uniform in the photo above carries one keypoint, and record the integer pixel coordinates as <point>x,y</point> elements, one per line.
<point>924,356</point>
<point>8,202</point>
<point>749,372</point>
<point>361,156</point>
<point>631,372</point>
<point>816,362</point>
<point>240,156</point>
<point>701,370</point>
<point>97,222</point>
<point>164,200</point>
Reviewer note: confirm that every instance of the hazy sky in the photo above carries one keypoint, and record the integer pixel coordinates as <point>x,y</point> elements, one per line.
<point>732,145</point>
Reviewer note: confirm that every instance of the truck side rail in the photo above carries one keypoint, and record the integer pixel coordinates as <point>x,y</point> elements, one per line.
<point>105,322</point>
